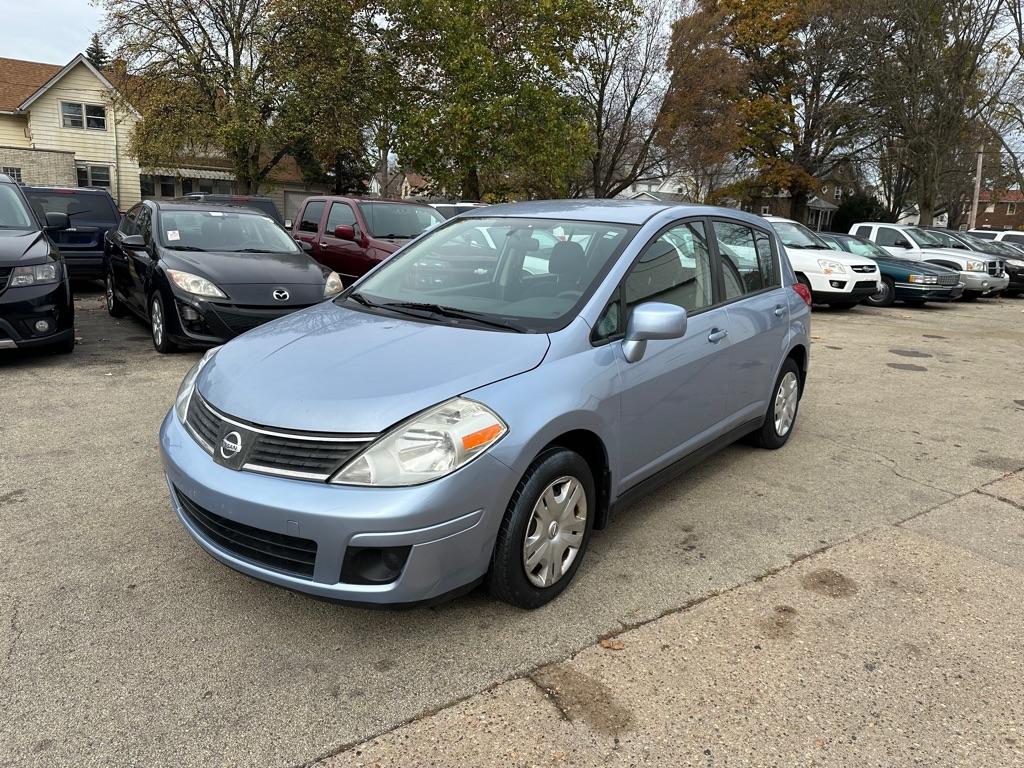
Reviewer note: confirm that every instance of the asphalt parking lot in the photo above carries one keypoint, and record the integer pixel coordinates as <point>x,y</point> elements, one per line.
<point>121,643</point>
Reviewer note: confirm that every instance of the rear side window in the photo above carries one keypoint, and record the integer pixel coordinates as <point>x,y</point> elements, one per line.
<point>145,225</point>
<point>311,216</point>
<point>985,235</point>
<point>746,258</point>
<point>1013,238</point>
<point>675,268</point>
<point>128,223</point>
<point>80,207</point>
<point>864,232</point>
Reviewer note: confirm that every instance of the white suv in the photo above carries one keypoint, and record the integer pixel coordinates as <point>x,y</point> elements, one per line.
<point>980,273</point>
<point>836,278</point>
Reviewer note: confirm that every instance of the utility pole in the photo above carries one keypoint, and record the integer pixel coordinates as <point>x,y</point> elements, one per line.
<point>972,219</point>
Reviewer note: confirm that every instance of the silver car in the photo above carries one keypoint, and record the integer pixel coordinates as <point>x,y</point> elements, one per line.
<point>475,407</point>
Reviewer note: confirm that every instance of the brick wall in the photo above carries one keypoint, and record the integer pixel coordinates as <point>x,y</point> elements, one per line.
<point>41,167</point>
<point>1005,215</point>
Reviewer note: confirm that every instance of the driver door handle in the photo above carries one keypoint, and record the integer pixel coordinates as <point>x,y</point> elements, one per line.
<point>780,311</point>
<point>716,335</point>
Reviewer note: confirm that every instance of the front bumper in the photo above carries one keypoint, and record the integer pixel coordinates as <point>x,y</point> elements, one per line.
<point>22,308</point>
<point>918,292</point>
<point>982,283</point>
<point>450,524</point>
<point>206,323</point>
<point>850,285</point>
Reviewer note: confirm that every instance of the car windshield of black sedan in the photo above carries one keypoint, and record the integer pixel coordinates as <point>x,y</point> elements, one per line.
<point>524,274</point>
<point>223,231</point>
<point>866,248</point>
<point>400,221</point>
<point>795,235</point>
<point>13,213</point>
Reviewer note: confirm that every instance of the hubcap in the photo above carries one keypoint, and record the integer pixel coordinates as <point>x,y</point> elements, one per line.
<point>110,293</point>
<point>881,295</point>
<point>157,321</point>
<point>785,404</point>
<point>555,531</point>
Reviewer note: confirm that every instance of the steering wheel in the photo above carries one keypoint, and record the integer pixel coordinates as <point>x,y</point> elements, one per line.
<point>569,295</point>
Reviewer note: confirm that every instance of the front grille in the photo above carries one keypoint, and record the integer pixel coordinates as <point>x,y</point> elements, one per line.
<point>865,286</point>
<point>995,268</point>
<point>303,455</point>
<point>948,279</point>
<point>240,319</point>
<point>863,268</point>
<point>289,554</point>
<point>5,275</point>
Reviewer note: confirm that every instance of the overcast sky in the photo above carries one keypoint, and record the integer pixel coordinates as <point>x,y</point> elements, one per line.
<point>50,31</point>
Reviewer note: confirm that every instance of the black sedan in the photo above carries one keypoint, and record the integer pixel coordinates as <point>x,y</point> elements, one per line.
<point>202,273</point>
<point>908,280</point>
<point>36,308</point>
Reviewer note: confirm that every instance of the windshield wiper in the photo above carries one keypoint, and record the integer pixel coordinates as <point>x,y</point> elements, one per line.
<point>256,250</point>
<point>357,297</point>
<point>185,248</point>
<point>394,237</point>
<point>456,314</point>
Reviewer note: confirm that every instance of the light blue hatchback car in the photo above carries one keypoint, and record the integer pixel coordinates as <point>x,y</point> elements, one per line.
<point>475,407</point>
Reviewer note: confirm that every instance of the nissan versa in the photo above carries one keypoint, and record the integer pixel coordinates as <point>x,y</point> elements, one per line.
<point>403,442</point>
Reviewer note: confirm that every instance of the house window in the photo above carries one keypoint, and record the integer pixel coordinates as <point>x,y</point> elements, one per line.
<point>838,194</point>
<point>14,173</point>
<point>93,176</point>
<point>1011,209</point>
<point>990,208</point>
<point>91,116</point>
<point>156,186</point>
<point>765,210</point>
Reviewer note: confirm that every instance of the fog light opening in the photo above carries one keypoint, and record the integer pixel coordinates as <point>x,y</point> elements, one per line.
<point>42,326</point>
<point>373,565</point>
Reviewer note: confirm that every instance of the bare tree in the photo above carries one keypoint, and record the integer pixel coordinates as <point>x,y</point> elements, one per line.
<point>620,78</point>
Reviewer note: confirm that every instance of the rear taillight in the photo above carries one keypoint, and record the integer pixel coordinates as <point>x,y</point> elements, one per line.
<point>803,292</point>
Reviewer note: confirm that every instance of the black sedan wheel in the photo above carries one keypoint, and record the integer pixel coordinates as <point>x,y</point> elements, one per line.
<point>885,297</point>
<point>158,325</point>
<point>114,306</point>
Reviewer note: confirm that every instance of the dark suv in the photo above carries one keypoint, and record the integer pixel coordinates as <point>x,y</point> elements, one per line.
<point>91,214</point>
<point>35,294</point>
<point>256,202</point>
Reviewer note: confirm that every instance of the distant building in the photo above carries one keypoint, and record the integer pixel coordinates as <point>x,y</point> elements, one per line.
<point>1001,210</point>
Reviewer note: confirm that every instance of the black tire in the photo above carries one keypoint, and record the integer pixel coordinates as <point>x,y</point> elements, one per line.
<point>885,297</point>
<point>970,296</point>
<point>114,306</point>
<point>65,347</point>
<point>843,305</point>
<point>1011,293</point>
<point>914,302</point>
<point>158,331</point>
<point>507,578</point>
<point>768,436</point>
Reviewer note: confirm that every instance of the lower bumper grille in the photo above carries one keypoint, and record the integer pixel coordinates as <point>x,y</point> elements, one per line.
<point>289,554</point>
<point>241,319</point>
<point>867,287</point>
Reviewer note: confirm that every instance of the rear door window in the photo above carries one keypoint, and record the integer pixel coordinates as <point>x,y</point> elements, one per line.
<point>864,231</point>
<point>746,259</point>
<point>311,215</point>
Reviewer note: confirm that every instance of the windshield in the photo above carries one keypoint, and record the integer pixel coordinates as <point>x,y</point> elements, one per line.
<point>79,206</point>
<point>923,238</point>
<point>865,248</point>
<point>795,235</point>
<point>13,213</point>
<point>994,246</point>
<point>529,274</point>
<point>947,240</point>
<point>400,221</point>
<point>223,231</point>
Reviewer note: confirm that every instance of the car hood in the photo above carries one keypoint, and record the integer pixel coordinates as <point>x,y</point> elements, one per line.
<point>955,254</point>
<point>334,369</point>
<point>798,256</point>
<point>18,246</point>
<point>247,268</point>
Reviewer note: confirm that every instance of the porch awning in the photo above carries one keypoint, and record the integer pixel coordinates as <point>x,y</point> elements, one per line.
<point>194,173</point>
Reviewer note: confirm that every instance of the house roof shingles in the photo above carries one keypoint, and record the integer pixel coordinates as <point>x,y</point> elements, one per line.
<point>20,79</point>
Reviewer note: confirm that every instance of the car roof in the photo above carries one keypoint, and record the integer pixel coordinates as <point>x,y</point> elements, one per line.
<point>884,224</point>
<point>65,190</point>
<point>610,211</point>
<point>202,205</point>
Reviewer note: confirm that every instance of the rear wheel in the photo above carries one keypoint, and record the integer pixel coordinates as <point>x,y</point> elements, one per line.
<point>885,297</point>
<point>545,531</point>
<point>114,306</point>
<point>158,325</point>
<point>782,410</point>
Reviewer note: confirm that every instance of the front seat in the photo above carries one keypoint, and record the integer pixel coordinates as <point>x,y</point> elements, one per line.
<point>568,262</point>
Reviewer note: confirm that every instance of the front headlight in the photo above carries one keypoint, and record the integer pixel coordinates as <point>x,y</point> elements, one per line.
<point>40,274</point>
<point>828,266</point>
<point>428,446</point>
<point>194,284</point>
<point>926,279</point>
<point>977,266</point>
<point>188,385</point>
<point>333,285</point>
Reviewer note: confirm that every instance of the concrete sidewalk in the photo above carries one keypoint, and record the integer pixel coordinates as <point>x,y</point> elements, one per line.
<point>902,646</point>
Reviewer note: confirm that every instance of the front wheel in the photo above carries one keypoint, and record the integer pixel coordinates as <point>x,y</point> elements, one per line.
<point>545,531</point>
<point>158,325</point>
<point>885,297</point>
<point>781,417</point>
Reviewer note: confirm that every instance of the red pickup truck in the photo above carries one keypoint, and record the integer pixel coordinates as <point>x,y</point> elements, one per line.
<point>352,235</point>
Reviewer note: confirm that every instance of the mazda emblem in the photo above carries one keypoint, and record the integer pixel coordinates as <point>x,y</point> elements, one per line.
<point>230,445</point>
<point>281,294</point>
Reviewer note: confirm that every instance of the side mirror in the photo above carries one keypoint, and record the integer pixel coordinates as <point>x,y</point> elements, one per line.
<point>345,232</point>
<point>55,220</point>
<point>133,242</point>
<point>653,320</point>
<point>307,247</point>
<point>901,244</point>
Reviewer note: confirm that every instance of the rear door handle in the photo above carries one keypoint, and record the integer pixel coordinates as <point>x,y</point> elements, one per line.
<point>323,244</point>
<point>716,335</point>
<point>780,311</point>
